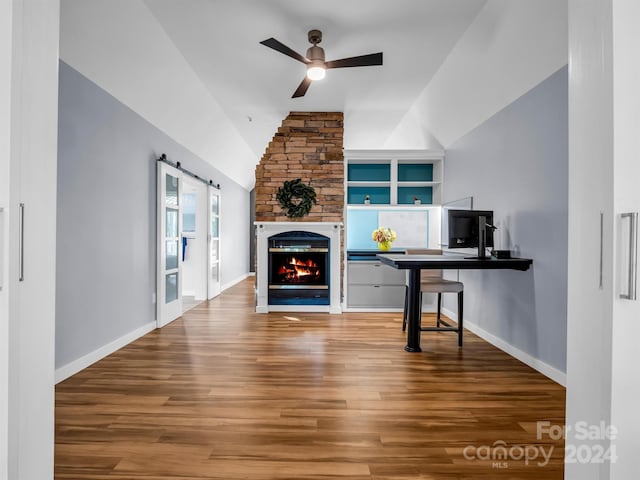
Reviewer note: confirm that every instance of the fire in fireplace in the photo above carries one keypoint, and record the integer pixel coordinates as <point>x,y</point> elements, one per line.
<point>294,270</point>
<point>298,269</point>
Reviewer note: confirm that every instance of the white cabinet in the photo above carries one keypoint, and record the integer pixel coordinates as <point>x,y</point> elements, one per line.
<point>370,284</point>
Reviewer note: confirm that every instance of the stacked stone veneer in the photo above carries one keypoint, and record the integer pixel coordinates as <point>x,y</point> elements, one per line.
<point>308,145</point>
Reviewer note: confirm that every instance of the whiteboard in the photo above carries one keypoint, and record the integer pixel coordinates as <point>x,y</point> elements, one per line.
<point>412,228</point>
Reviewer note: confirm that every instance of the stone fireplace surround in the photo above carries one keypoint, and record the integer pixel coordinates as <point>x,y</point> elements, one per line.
<point>265,230</point>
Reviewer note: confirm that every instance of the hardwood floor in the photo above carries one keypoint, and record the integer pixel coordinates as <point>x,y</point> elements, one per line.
<point>224,393</point>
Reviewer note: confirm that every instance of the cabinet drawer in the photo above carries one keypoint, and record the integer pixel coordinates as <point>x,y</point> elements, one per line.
<point>375,273</point>
<point>363,296</point>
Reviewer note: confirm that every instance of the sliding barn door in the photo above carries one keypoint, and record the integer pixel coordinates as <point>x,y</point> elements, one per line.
<point>213,276</point>
<point>169,278</point>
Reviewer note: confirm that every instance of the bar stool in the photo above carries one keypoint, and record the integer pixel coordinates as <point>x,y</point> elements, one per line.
<point>431,281</point>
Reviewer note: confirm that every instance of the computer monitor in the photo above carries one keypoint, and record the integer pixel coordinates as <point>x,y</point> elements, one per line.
<point>467,229</point>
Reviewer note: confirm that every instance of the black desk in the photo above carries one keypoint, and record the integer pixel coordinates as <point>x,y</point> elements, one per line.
<point>415,263</point>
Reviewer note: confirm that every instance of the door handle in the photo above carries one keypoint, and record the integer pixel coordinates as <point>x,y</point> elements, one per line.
<point>601,282</point>
<point>633,256</point>
<point>21,244</point>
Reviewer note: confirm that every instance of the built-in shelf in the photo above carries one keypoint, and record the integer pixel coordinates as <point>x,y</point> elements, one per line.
<point>395,177</point>
<point>418,184</point>
<point>368,184</point>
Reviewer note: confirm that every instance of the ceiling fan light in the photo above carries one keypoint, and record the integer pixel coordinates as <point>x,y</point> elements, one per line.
<point>316,72</point>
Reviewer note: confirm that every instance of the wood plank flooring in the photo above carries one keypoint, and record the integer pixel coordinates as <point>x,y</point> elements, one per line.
<point>224,393</point>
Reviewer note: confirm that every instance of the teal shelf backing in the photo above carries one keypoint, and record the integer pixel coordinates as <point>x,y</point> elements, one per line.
<point>406,194</point>
<point>415,172</point>
<point>368,172</point>
<point>378,195</point>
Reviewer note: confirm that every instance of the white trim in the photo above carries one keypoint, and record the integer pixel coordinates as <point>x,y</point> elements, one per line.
<point>371,309</point>
<point>81,363</point>
<point>398,206</point>
<point>298,308</point>
<point>236,281</point>
<point>547,370</point>
<point>385,155</point>
<point>264,230</point>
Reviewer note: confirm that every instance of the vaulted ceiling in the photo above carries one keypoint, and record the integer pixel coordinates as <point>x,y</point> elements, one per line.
<point>197,71</point>
<point>220,40</point>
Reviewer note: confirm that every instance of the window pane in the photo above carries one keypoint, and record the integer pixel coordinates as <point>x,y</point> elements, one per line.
<point>214,204</point>
<point>189,212</point>
<point>171,287</point>
<point>215,273</point>
<point>214,250</point>
<point>171,197</point>
<point>171,258</point>
<point>214,227</point>
<point>171,215</point>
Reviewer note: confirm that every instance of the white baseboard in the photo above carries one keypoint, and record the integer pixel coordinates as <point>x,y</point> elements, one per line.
<point>235,281</point>
<point>297,309</point>
<point>371,309</point>
<point>83,362</point>
<point>547,370</point>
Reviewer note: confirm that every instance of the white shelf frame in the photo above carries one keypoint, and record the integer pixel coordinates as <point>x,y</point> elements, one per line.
<point>393,158</point>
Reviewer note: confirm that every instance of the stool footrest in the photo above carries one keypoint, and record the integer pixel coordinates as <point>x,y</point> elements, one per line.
<point>446,324</point>
<point>439,329</point>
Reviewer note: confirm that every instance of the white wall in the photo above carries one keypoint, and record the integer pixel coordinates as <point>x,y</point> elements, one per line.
<point>105,39</point>
<point>509,48</point>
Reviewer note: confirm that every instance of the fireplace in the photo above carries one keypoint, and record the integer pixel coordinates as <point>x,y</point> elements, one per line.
<point>298,269</point>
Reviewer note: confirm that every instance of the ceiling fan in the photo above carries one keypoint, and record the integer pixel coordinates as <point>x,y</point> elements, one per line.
<point>314,60</point>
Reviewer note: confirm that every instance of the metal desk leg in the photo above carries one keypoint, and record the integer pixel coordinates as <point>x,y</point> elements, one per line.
<point>413,312</point>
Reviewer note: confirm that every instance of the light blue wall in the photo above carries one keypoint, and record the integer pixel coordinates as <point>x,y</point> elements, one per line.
<point>516,164</point>
<point>106,231</point>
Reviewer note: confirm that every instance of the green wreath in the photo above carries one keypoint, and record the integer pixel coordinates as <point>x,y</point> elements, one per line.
<point>296,198</point>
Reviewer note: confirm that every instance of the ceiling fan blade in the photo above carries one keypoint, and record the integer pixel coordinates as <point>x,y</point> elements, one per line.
<point>282,48</point>
<point>302,88</point>
<point>360,61</point>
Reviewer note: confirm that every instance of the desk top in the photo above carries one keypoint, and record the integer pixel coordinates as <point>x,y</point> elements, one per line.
<point>453,262</point>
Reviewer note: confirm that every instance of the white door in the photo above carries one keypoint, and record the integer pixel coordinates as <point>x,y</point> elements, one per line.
<point>213,277</point>
<point>169,277</point>
<point>604,318</point>
<point>625,381</point>
<point>29,40</point>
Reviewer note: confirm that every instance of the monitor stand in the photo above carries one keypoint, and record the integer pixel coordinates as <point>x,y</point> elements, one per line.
<point>482,240</point>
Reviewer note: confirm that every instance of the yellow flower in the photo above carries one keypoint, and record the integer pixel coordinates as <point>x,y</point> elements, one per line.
<point>383,235</point>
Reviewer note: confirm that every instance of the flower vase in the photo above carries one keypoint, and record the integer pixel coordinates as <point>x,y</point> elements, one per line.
<point>384,246</point>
